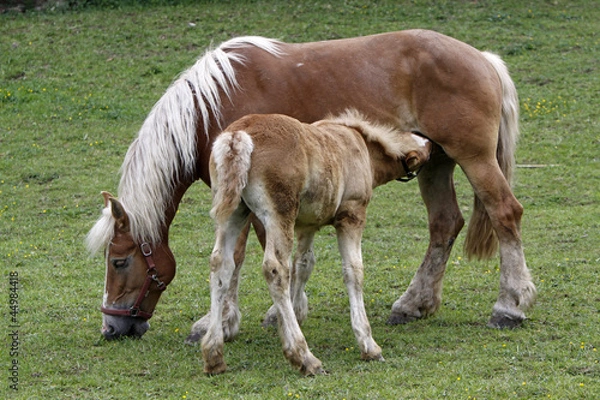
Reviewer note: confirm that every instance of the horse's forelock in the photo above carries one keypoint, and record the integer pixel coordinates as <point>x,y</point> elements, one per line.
<point>101,233</point>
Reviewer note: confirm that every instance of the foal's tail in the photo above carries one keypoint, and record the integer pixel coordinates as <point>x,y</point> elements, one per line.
<point>230,163</point>
<point>481,241</point>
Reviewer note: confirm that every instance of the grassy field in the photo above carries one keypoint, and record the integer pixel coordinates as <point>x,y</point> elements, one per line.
<point>75,86</point>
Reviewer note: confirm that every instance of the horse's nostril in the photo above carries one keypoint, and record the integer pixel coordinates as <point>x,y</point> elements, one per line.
<point>108,331</point>
<point>138,329</point>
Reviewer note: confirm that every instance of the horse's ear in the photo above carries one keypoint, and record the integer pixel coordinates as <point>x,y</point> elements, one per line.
<point>119,214</point>
<point>107,196</point>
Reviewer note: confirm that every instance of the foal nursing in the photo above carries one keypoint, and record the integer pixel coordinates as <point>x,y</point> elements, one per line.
<point>297,178</point>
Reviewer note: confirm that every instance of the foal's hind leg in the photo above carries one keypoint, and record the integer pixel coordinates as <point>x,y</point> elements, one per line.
<point>424,294</point>
<point>222,267</point>
<point>231,311</point>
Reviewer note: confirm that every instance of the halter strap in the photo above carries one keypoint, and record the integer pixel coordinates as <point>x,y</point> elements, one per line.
<point>151,276</point>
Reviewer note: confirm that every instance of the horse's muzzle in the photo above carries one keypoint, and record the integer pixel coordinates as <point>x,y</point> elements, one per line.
<point>115,327</point>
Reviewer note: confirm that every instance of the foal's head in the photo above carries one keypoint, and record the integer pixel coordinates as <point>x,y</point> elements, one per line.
<point>411,149</point>
<point>136,273</point>
<point>419,153</point>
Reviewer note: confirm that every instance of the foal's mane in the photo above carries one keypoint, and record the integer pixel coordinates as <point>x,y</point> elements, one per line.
<point>390,138</point>
<point>165,150</point>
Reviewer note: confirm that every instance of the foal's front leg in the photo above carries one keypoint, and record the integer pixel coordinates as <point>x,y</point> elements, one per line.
<point>304,263</point>
<point>302,267</point>
<point>349,233</point>
<point>277,274</point>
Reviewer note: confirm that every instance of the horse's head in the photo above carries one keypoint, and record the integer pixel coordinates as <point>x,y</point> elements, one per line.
<point>136,274</point>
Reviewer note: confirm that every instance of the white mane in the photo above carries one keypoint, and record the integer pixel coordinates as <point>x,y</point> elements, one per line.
<point>166,144</point>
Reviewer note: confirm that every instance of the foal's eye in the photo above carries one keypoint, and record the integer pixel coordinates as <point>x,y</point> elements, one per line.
<point>119,262</point>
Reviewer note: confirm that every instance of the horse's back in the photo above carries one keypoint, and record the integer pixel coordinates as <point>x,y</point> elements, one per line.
<point>411,79</point>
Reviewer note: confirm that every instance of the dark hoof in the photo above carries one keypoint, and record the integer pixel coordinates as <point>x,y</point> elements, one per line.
<point>313,371</point>
<point>193,339</point>
<point>215,369</point>
<point>400,319</point>
<point>505,322</point>
<point>270,322</point>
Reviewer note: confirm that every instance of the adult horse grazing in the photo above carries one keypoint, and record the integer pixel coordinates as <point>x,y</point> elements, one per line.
<point>457,96</point>
<point>297,178</point>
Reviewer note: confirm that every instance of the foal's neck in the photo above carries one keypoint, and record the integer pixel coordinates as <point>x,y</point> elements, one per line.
<point>384,167</point>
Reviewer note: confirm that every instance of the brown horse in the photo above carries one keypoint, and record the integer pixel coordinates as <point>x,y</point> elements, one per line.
<point>459,97</point>
<point>296,178</point>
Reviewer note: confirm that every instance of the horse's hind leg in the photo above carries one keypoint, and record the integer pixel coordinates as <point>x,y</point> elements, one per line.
<point>279,243</point>
<point>517,291</point>
<point>222,267</point>
<point>424,294</point>
<point>231,311</point>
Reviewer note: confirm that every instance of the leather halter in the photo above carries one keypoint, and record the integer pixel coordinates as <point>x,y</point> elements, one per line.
<point>151,276</point>
<point>410,175</point>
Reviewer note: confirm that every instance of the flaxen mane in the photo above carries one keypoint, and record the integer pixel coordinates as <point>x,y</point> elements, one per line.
<point>166,144</point>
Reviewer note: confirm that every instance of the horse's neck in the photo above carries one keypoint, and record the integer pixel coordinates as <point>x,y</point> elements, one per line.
<point>183,183</point>
<point>173,206</point>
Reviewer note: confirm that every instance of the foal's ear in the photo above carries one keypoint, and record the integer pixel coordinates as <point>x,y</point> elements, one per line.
<point>413,161</point>
<point>119,214</point>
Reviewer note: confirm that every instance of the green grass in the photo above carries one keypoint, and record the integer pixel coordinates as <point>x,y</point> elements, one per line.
<point>75,86</point>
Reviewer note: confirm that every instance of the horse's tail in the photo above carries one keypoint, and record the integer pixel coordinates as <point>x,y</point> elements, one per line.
<point>481,241</point>
<point>230,163</point>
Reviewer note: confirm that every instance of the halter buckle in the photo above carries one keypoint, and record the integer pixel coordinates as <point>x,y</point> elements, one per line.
<point>146,249</point>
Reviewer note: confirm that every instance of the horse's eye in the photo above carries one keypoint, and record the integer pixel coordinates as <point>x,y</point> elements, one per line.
<point>119,262</point>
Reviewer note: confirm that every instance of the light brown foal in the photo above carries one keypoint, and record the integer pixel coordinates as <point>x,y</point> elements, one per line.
<point>297,178</point>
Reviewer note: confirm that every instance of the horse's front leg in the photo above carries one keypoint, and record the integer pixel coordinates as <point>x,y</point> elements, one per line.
<point>349,233</point>
<point>222,267</point>
<point>231,311</point>
<point>424,294</point>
